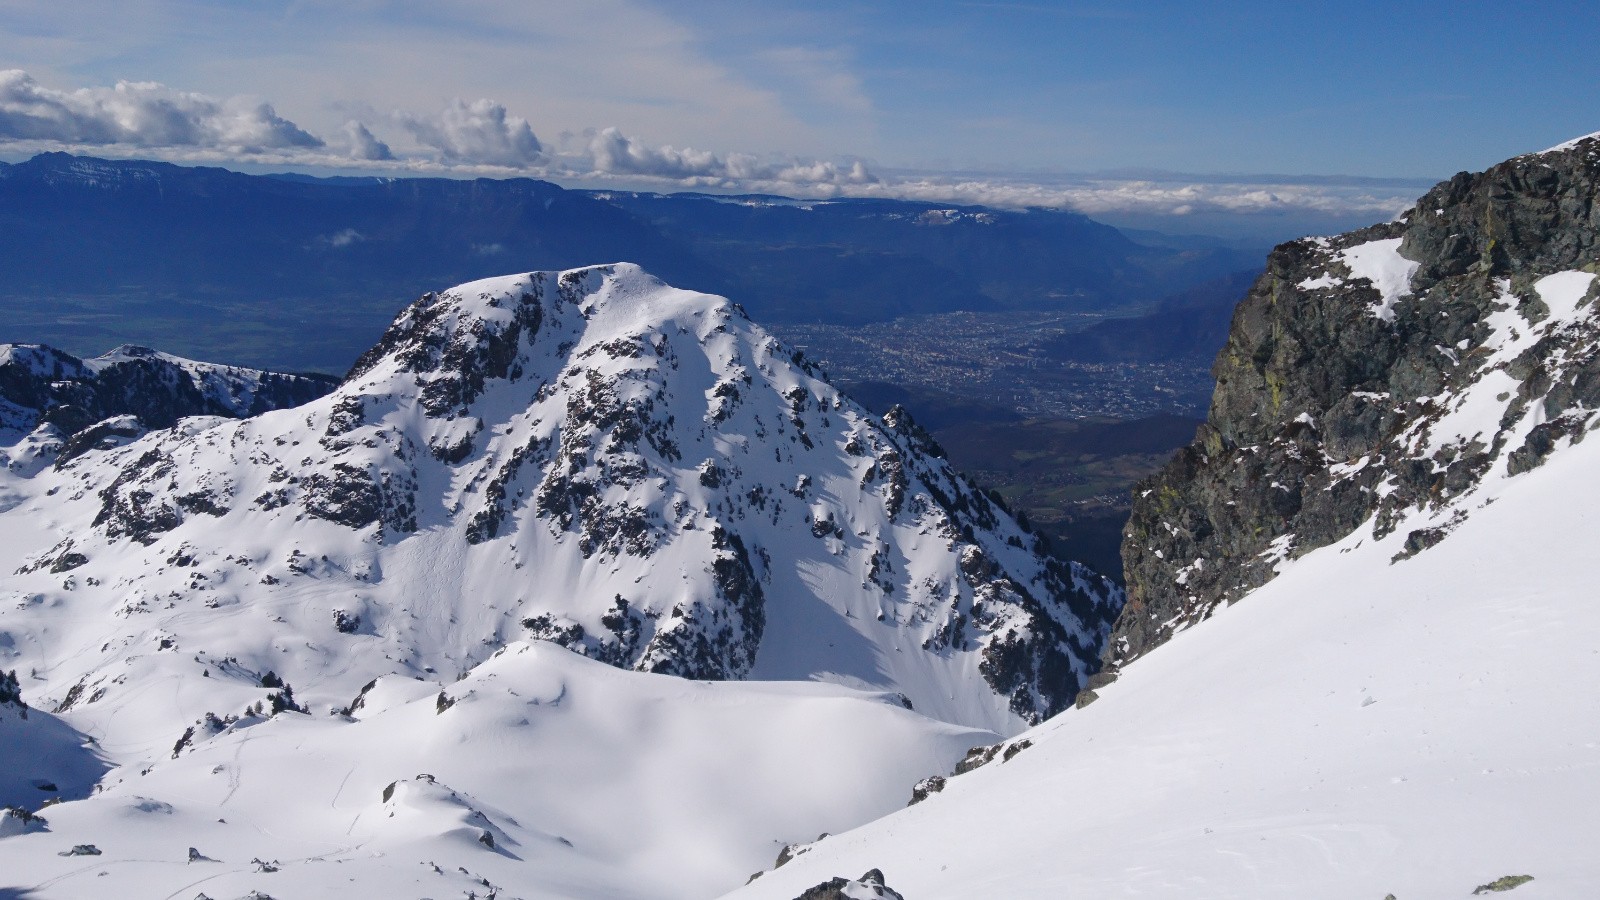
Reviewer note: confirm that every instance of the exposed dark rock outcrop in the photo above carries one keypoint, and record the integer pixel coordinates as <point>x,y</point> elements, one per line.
<point>868,885</point>
<point>1343,391</point>
<point>118,397</point>
<point>11,690</point>
<point>15,820</point>
<point>926,788</point>
<point>1504,883</point>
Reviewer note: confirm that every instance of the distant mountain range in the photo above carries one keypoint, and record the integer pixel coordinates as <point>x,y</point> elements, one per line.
<point>294,272</point>
<point>1187,326</point>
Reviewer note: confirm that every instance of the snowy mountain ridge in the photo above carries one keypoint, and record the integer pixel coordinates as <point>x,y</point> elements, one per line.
<point>591,458</point>
<point>53,404</point>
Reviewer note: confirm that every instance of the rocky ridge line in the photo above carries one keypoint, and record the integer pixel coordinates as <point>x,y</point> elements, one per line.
<point>1374,380</point>
<point>55,406</point>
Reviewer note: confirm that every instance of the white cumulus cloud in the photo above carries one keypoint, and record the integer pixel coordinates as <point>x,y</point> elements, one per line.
<point>610,152</point>
<point>482,137</point>
<point>143,114</point>
<point>1174,197</point>
<point>344,238</point>
<point>480,132</point>
<point>363,145</point>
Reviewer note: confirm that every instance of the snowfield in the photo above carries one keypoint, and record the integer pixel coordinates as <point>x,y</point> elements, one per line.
<point>588,781</point>
<point>1357,727</point>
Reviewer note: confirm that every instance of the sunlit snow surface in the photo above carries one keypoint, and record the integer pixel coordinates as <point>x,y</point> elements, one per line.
<point>589,781</point>
<point>1355,728</point>
<point>1568,145</point>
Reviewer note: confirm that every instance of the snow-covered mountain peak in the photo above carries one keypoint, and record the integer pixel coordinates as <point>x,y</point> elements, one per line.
<point>625,294</point>
<point>592,458</point>
<point>124,354</point>
<point>1593,139</point>
<point>132,351</point>
<point>494,328</point>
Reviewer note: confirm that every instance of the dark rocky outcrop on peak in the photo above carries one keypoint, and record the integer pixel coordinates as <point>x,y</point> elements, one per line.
<point>118,397</point>
<point>1339,400</point>
<point>10,691</point>
<point>868,885</point>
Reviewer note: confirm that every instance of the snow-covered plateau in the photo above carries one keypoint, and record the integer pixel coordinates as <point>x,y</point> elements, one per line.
<point>540,774</point>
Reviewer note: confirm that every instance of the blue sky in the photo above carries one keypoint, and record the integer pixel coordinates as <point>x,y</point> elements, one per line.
<point>1006,102</point>
<point>1391,89</point>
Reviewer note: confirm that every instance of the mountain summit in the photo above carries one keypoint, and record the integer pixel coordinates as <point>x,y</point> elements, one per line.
<point>589,457</point>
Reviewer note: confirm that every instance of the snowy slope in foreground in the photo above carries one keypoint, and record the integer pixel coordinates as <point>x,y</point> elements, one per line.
<point>1353,729</point>
<point>588,782</point>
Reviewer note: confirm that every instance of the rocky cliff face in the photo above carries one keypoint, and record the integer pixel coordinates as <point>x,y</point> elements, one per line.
<point>55,406</point>
<point>1374,381</point>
